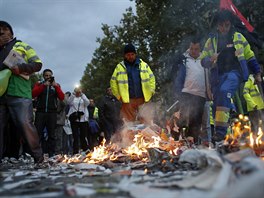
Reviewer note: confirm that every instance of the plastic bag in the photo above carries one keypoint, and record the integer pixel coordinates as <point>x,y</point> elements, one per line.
<point>4,79</point>
<point>67,127</point>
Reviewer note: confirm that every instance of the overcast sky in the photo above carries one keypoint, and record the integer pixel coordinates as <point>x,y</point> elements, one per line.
<point>63,32</point>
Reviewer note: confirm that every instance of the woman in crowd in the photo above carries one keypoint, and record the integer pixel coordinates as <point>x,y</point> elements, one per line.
<point>79,116</point>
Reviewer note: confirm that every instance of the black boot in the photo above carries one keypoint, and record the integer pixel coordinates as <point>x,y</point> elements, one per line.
<point>217,138</point>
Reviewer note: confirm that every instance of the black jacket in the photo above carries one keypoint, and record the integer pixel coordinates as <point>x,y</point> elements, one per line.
<point>47,100</point>
<point>109,109</point>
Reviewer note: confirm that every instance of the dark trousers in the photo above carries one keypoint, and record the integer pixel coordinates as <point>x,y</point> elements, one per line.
<point>12,141</point>
<point>59,139</point>
<point>67,143</point>
<point>191,113</point>
<point>20,111</point>
<point>79,133</point>
<point>47,120</point>
<point>93,134</point>
<point>93,140</point>
<point>255,116</point>
<point>110,127</point>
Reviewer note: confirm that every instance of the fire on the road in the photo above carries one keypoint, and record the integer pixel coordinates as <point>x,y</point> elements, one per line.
<point>240,137</point>
<point>137,150</point>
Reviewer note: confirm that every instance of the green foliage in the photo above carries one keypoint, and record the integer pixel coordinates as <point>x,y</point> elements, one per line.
<point>98,73</point>
<point>168,27</point>
<point>253,12</point>
<point>160,30</point>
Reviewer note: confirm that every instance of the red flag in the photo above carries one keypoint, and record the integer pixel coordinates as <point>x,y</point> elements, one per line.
<point>228,5</point>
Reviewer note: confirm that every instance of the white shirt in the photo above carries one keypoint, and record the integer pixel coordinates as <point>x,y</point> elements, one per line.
<point>79,104</point>
<point>195,79</point>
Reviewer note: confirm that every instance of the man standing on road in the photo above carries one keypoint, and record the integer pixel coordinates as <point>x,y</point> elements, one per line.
<point>47,93</point>
<point>17,101</point>
<point>190,90</point>
<point>133,83</point>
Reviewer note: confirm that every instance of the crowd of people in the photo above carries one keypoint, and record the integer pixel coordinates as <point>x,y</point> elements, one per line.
<point>45,120</point>
<point>67,123</point>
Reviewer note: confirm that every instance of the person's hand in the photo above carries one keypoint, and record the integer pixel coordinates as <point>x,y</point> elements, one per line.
<point>54,84</point>
<point>258,78</point>
<point>213,58</point>
<point>15,70</point>
<point>77,92</point>
<point>238,52</point>
<point>47,83</point>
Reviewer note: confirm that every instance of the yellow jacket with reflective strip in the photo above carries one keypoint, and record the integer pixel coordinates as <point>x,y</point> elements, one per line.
<point>119,82</point>
<point>243,52</point>
<point>252,95</point>
<point>18,86</point>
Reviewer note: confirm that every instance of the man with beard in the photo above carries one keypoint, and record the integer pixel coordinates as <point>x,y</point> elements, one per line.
<point>133,83</point>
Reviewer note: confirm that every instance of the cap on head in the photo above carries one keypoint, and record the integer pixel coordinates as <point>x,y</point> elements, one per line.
<point>5,24</point>
<point>129,48</point>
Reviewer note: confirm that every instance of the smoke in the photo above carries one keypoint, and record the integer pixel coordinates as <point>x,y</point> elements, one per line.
<point>146,113</point>
<point>145,116</point>
<point>125,135</point>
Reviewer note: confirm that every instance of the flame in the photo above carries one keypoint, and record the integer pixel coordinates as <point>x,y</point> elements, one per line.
<point>174,151</point>
<point>241,116</point>
<point>139,147</point>
<point>138,150</point>
<point>226,141</point>
<point>100,153</point>
<point>251,140</point>
<point>240,135</point>
<point>236,130</point>
<point>258,139</point>
<point>74,159</point>
<point>244,136</point>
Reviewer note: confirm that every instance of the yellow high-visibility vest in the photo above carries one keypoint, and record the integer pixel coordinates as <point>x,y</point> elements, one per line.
<point>252,95</point>
<point>243,51</point>
<point>119,82</point>
<point>18,86</point>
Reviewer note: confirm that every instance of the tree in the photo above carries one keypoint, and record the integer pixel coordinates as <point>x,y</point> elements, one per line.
<point>98,73</point>
<point>160,30</point>
<point>169,26</point>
